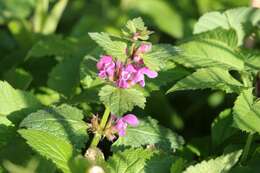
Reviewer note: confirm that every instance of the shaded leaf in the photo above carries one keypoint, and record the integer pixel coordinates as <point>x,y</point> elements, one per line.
<point>148,132</point>
<point>63,121</point>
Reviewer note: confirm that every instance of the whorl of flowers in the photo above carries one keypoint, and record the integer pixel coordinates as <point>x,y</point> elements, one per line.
<point>126,74</point>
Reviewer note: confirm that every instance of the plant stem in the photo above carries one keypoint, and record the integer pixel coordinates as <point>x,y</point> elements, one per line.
<point>103,123</point>
<point>247,147</point>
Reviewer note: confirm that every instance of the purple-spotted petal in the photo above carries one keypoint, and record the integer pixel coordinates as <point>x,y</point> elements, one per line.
<point>131,119</point>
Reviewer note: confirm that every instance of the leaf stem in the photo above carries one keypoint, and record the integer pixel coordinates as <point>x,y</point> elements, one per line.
<point>103,123</point>
<point>247,147</point>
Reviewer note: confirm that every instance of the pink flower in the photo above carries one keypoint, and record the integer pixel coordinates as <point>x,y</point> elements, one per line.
<point>122,123</point>
<point>106,67</point>
<point>256,3</point>
<point>144,48</point>
<point>139,78</point>
<point>126,77</point>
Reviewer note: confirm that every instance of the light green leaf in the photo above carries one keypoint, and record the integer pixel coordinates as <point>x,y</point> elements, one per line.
<point>56,149</point>
<point>210,50</point>
<point>215,78</point>
<point>139,161</point>
<point>64,77</point>
<point>247,112</point>
<point>13,100</point>
<point>252,62</point>
<point>148,132</point>
<point>233,18</point>
<point>221,164</point>
<point>136,24</point>
<point>221,128</point>
<point>117,49</point>
<point>160,54</point>
<point>121,100</point>
<point>63,121</point>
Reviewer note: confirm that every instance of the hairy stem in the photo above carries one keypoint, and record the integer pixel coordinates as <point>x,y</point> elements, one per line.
<point>103,123</point>
<point>247,147</point>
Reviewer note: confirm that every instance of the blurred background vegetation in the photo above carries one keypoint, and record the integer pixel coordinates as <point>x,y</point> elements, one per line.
<point>65,34</point>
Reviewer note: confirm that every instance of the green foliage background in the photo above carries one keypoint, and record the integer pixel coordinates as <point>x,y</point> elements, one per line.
<point>46,57</point>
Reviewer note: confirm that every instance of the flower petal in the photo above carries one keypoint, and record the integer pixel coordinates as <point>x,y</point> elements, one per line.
<point>149,73</point>
<point>131,119</point>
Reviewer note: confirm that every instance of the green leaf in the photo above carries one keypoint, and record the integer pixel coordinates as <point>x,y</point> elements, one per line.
<point>215,78</point>
<point>15,9</point>
<point>221,128</point>
<point>165,16</point>
<point>63,121</point>
<point>233,18</point>
<point>52,20</point>
<point>18,78</point>
<point>218,165</point>
<point>13,100</point>
<point>64,77</point>
<point>247,112</point>
<point>178,165</point>
<point>158,57</point>
<point>52,46</point>
<point>139,160</point>
<point>6,134</point>
<point>56,149</point>
<point>252,62</point>
<point>148,132</point>
<point>88,70</point>
<point>121,100</point>
<point>117,49</point>
<point>210,50</point>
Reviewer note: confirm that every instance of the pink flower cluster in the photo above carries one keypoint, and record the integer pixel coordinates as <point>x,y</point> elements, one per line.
<point>129,74</point>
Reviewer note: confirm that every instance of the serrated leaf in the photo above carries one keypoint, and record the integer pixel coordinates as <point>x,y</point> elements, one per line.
<point>252,62</point>
<point>247,112</point>
<point>135,24</point>
<point>56,149</point>
<point>160,54</point>
<point>63,121</point>
<point>65,76</point>
<point>139,161</point>
<point>13,100</point>
<point>116,49</point>
<point>210,50</point>
<point>220,164</point>
<point>121,100</point>
<point>215,78</point>
<point>221,128</point>
<point>233,18</point>
<point>148,132</point>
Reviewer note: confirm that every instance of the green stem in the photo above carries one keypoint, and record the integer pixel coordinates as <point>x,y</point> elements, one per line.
<point>247,147</point>
<point>103,123</point>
